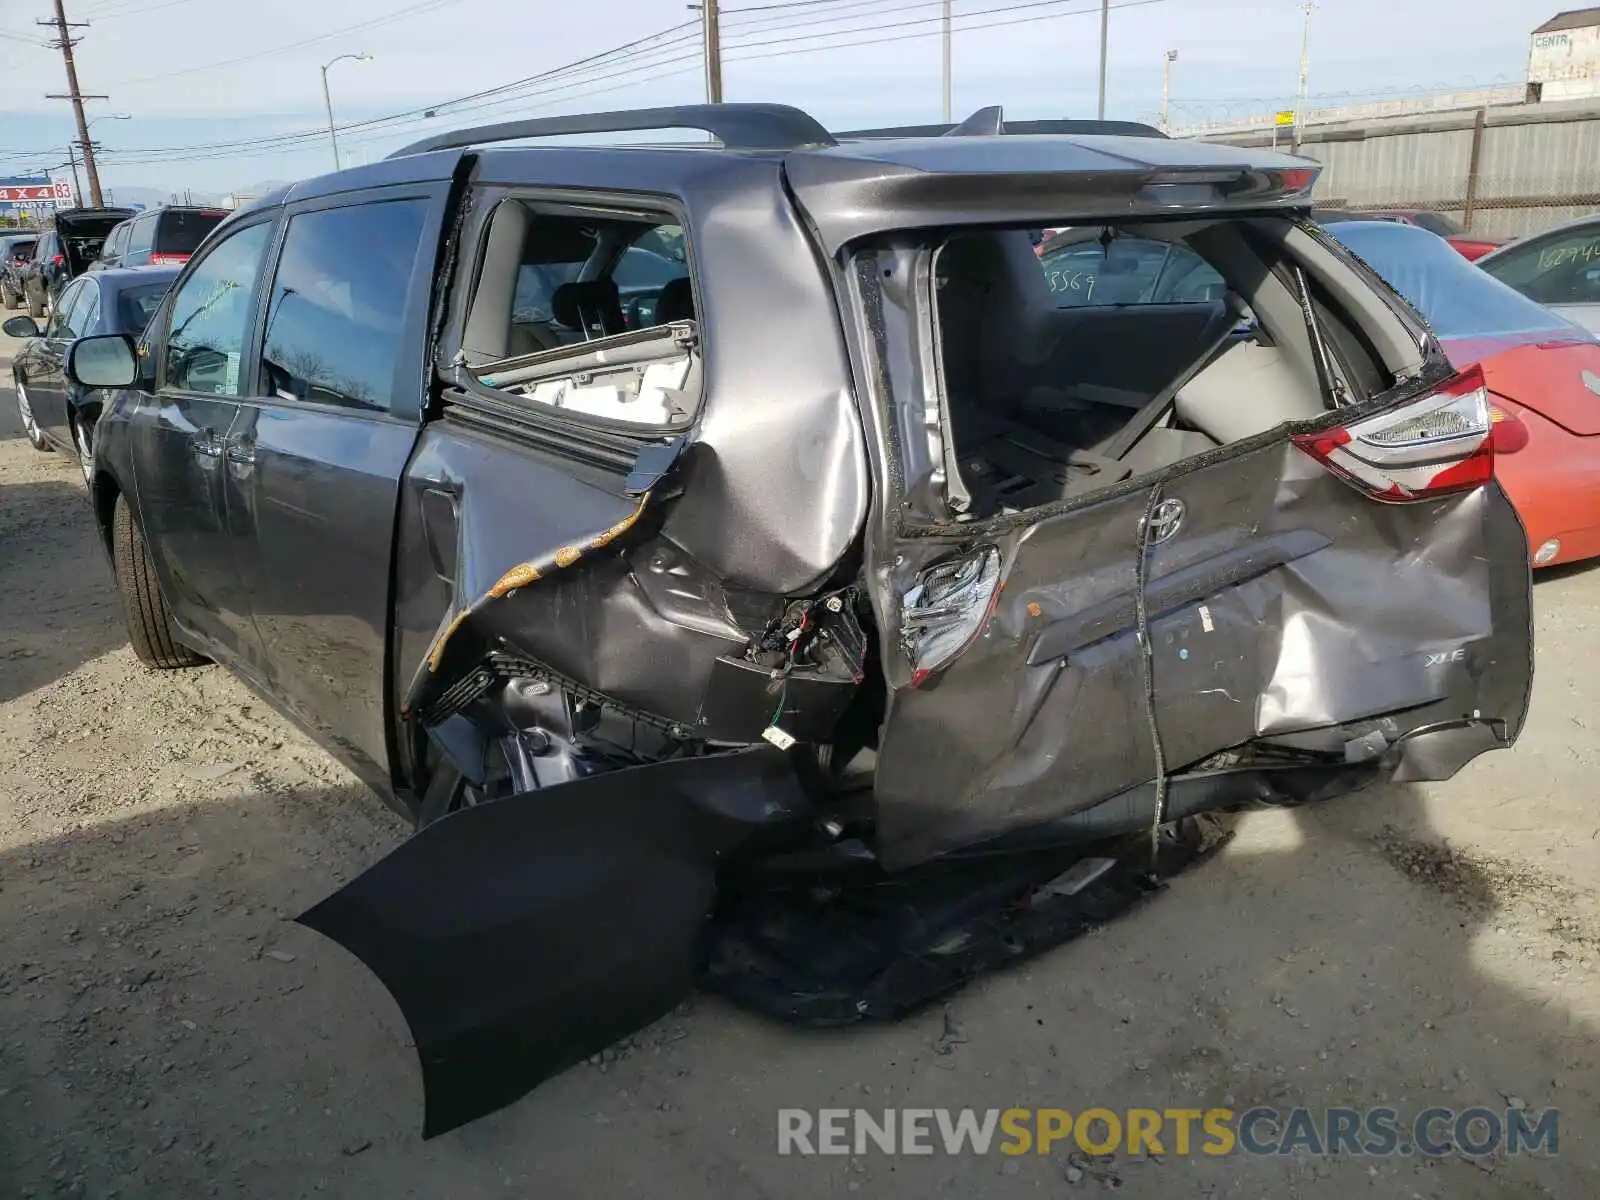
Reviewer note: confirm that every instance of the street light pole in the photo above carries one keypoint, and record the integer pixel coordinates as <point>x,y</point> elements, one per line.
<point>1305,74</point>
<point>327,98</point>
<point>90,146</point>
<point>947,57</point>
<point>1166,88</point>
<point>1105,24</point>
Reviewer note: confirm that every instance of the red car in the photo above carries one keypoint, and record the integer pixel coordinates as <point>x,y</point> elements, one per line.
<point>1541,370</point>
<point>1470,246</point>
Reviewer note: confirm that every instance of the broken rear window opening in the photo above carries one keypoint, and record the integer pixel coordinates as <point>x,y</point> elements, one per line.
<point>1023,377</point>
<point>585,314</point>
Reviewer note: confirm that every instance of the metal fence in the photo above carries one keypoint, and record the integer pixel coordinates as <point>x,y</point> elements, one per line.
<point>1503,171</point>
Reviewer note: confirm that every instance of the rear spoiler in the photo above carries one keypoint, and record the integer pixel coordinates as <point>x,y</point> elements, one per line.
<point>990,122</point>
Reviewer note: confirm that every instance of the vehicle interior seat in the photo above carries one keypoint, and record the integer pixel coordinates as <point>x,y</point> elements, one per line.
<point>676,302</point>
<point>589,308</point>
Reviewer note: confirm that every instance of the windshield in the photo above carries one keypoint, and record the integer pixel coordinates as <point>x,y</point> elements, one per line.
<point>1459,300</point>
<point>180,232</point>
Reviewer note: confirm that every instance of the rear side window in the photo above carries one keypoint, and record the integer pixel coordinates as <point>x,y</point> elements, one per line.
<point>116,241</point>
<point>591,314</point>
<point>337,310</point>
<point>1128,271</point>
<point>139,235</point>
<point>181,232</point>
<point>87,310</point>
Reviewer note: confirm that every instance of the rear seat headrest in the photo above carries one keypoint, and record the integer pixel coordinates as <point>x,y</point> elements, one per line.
<point>676,302</point>
<point>588,305</point>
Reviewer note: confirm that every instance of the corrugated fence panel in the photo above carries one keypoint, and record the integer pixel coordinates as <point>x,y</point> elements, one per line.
<point>1540,160</point>
<point>1408,168</point>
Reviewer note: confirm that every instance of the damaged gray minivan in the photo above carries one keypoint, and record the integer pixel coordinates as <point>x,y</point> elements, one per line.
<point>754,564</point>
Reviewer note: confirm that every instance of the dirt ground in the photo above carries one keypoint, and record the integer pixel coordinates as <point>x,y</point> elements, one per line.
<point>167,1031</point>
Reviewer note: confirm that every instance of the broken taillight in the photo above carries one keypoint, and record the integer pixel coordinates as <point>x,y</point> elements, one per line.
<point>1430,447</point>
<point>946,608</point>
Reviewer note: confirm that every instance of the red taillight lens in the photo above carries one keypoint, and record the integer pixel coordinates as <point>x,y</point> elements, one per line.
<point>57,260</point>
<point>946,608</point>
<point>1507,433</point>
<point>1430,447</point>
<point>168,260</point>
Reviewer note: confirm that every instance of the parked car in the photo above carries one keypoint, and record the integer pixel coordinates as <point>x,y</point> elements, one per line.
<point>864,562</point>
<point>16,250</point>
<point>1559,269</point>
<point>1543,376</point>
<point>1470,246</point>
<point>56,413</point>
<point>65,251</point>
<point>164,237</point>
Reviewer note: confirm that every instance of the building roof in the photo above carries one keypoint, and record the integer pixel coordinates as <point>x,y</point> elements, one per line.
<point>1574,18</point>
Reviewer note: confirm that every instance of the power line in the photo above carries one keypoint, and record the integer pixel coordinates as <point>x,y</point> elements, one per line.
<point>638,54</point>
<point>608,58</point>
<point>399,14</point>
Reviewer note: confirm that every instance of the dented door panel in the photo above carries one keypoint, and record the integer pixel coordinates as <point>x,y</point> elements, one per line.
<point>1285,606</point>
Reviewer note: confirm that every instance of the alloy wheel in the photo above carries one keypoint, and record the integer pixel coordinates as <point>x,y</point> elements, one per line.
<point>30,425</point>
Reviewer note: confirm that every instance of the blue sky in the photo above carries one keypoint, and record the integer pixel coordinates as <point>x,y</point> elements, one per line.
<point>196,72</point>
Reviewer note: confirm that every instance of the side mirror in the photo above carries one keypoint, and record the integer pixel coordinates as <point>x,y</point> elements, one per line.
<point>21,327</point>
<point>102,362</point>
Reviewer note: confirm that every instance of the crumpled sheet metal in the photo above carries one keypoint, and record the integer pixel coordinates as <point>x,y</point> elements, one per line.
<point>1308,606</point>
<point>525,573</point>
<point>520,937</point>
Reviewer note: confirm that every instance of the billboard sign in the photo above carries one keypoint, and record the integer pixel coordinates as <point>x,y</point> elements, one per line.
<point>33,197</point>
<point>34,193</point>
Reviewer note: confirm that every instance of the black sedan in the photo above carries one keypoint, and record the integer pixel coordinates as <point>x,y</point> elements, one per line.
<point>56,413</point>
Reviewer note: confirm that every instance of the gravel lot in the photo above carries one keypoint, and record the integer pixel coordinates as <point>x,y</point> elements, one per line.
<point>166,1031</point>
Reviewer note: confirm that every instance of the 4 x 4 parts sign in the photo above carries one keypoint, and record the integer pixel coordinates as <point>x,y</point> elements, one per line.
<point>22,193</point>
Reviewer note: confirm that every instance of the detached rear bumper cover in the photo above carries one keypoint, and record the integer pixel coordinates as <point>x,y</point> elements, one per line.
<point>522,936</point>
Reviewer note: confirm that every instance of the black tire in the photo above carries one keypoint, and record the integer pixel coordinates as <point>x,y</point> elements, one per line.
<point>8,297</point>
<point>30,423</point>
<point>144,609</point>
<point>35,307</point>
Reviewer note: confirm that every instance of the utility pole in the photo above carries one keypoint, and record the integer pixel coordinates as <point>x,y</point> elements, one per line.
<point>713,35</point>
<point>64,42</point>
<point>947,48</point>
<point>1105,24</point>
<point>1166,87</point>
<point>1305,74</point>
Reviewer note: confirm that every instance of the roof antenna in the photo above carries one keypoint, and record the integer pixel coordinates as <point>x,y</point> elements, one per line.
<point>986,122</point>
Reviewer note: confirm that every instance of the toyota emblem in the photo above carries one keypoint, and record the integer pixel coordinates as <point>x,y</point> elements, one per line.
<point>1166,520</point>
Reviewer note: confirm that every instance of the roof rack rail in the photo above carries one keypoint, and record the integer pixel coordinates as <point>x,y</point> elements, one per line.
<point>736,126</point>
<point>988,122</point>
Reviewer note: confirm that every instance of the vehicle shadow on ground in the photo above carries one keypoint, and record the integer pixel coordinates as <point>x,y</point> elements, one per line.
<point>168,1031</point>
<point>61,607</point>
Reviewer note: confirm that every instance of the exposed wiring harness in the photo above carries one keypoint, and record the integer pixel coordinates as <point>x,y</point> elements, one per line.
<point>1141,570</point>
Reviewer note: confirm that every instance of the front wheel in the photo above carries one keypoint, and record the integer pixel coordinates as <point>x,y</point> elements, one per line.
<point>144,608</point>
<point>8,297</point>
<point>30,424</point>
